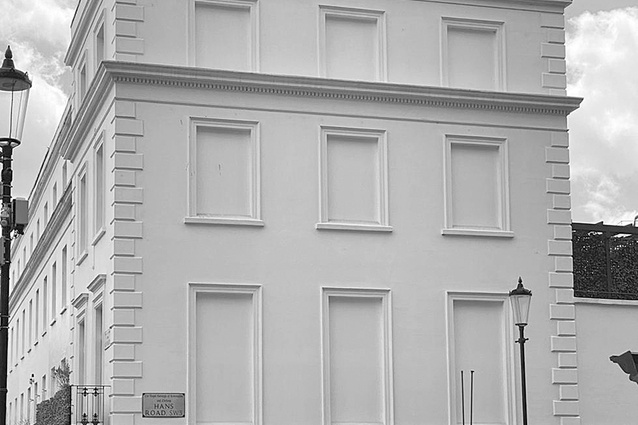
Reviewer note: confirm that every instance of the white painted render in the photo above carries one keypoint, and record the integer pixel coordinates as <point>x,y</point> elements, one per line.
<point>349,233</point>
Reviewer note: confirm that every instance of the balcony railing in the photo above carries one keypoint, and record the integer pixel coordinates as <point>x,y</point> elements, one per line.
<point>605,261</point>
<point>89,404</point>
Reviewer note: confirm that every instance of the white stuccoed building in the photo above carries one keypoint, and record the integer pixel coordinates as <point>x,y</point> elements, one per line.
<point>305,213</point>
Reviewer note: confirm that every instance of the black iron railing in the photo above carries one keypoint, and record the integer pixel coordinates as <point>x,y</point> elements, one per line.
<point>605,261</point>
<point>89,404</point>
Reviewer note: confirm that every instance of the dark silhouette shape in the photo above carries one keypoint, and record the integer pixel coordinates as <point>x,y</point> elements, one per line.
<point>628,363</point>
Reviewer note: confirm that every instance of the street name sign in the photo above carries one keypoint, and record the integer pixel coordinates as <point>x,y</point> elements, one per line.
<point>163,405</point>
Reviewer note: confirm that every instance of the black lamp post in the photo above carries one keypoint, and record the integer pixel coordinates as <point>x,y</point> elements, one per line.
<point>14,94</point>
<point>520,299</point>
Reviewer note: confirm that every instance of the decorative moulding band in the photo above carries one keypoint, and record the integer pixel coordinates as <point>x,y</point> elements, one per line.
<point>300,86</point>
<point>556,6</point>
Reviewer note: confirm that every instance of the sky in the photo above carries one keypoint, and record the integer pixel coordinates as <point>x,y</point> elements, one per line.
<point>602,58</point>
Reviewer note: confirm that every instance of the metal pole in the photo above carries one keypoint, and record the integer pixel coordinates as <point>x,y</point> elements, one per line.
<point>7,177</point>
<point>471,396</point>
<point>462,398</point>
<point>521,341</point>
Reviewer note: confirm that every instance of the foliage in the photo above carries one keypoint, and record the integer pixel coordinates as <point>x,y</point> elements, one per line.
<point>57,409</point>
<point>593,276</point>
<point>62,374</point>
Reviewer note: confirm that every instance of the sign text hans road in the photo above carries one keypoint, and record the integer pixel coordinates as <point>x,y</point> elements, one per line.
<point>163,405</point>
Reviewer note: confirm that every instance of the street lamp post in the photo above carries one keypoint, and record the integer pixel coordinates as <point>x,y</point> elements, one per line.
<point>14,88</point>
<point>520,298</point>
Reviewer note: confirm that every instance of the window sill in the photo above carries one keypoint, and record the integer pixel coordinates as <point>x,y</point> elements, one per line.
<point>360,227</point>
<point>52,322</point>
<point>63,310</point>
<point>83,255</point>
<point>36,343</point>
<point>226,221</point>
<point>44,333</point>
<point>604,301</point>
<point>493,233</point>
<point>98,236</point>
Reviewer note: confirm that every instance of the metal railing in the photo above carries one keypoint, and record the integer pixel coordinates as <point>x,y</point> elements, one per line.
<point>89,404</point>
<point>605,261</point>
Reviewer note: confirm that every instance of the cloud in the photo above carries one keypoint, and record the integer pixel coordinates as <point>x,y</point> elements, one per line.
<point>605,198</point>
<point>39,33</point>
<point>602,60</point>
<point>45,23</point>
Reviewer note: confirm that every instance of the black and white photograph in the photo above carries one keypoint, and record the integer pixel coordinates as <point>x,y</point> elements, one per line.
<point>319,212</point>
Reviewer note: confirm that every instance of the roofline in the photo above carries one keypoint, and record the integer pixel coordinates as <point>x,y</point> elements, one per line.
<point>79,29</point>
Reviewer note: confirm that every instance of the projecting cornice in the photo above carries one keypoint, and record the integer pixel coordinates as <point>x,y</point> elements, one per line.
<point>556,6</point>
<point>116,73</point>
<point>284,85</point>
<point>558,3</point>
<point>511,4</point>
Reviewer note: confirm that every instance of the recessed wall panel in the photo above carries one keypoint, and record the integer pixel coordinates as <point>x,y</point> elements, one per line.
<point>353,180</point>
<point>473,54</point>
<point>480,338</point>
<point>223,36</point>
<point>352,48</point>
<point>224,360</point>
<point>357,357</point>
<point>224,163</point>
<point>476,186</point>
<point>472,58</point>
<point>356,360</point>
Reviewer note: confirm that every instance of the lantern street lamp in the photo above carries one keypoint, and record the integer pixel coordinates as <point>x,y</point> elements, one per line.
<point>520,299</point>
<point>14,94</point>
